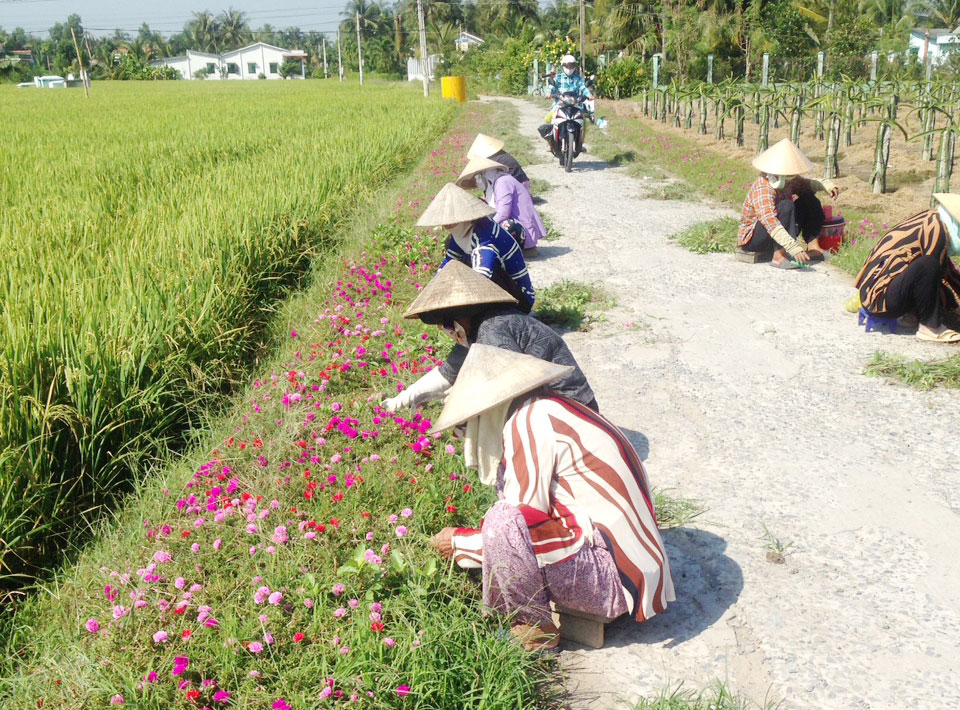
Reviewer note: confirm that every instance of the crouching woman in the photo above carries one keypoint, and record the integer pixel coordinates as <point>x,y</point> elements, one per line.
<point>575,523</point>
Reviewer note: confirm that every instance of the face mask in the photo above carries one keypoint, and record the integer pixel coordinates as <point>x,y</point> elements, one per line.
<point>569,70</point>
<point>777,182</point>
<point>953,231</point>
<point>481,181</point>
<point>461,233</point>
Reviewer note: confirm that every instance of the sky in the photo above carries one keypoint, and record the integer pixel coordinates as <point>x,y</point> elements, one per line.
<point>102,17</point>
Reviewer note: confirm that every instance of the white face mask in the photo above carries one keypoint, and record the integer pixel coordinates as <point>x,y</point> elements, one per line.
<point>777,182</point>
<point>461,233</point>
<point>569,70</point>
<point>953,231</point>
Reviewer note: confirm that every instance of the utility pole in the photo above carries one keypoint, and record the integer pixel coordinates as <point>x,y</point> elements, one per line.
<point>324,56</point>
<point>583,22</point>
<point>339,58</point>
<point>423,49</point>
<point>83,73</point>
<point>359,50</point>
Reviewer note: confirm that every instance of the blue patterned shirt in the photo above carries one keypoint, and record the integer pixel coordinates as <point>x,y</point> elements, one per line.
<point>497,256</point>
<point>573,83</point>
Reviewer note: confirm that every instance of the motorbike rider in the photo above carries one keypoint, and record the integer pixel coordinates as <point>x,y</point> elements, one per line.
<point>568,81</point>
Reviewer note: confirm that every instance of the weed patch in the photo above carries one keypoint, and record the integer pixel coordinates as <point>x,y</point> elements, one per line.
<point>718,697</point>
<point>717,235</point>
<point>918,374</point>
<point>675,512</point>
<point>572,305</point>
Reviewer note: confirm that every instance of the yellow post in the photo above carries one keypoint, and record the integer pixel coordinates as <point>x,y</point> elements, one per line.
<point>454,87</point>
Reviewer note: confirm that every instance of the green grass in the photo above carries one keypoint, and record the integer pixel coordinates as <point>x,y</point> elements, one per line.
<point>538,186</point>
<point>919,374</point>
<point>445,651</point>
<point>717,697</point>
<point>718,235</point>
<point>572,305</point>
<point>148,235</point>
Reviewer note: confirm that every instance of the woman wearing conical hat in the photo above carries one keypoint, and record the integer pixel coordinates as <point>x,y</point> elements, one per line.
<point>510,199</point>
<point>472,309</point>
<point>782,214</point>
<point>575,522</point>
<point>479,242</point>
<point>484,146</point>
<point>910,270</point>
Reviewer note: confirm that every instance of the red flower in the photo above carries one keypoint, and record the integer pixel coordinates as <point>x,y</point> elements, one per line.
<point>298,637</point>
<point>376,627</point>
<point>187,633</point>
<point>451,509</point>
<point>192,695</point>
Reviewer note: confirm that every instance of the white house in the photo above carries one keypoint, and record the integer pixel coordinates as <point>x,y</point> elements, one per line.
<point>244,63</point>
<point>466,41</point>
<point>941,43</point>
<point>192,62</point>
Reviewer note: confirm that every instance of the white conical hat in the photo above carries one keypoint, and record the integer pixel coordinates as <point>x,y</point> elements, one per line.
<point>783,158</point>
<point>491,376</point>
<point>468,178</point>
<point>453,205</point>
<point>950,202</point>
<point>484,146</point>
<point>457,285</point>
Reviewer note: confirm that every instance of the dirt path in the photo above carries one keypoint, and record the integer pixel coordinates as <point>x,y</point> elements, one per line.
<point>741,386</point>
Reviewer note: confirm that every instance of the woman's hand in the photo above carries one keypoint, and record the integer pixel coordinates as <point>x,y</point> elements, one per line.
<point>442,543</point>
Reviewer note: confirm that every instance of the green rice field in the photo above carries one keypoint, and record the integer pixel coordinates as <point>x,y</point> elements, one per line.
<point>147,234</point>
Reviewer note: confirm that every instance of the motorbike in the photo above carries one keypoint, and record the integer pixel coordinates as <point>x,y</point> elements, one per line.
<point>568,125</point>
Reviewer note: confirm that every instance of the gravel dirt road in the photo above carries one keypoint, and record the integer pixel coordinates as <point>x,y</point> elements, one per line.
<point>742,386</point>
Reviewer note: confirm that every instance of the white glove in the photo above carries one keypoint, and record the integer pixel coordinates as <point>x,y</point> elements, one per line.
<point>430,386</point>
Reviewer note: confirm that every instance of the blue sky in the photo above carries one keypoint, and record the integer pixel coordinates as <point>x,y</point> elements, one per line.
<point>103,16</point>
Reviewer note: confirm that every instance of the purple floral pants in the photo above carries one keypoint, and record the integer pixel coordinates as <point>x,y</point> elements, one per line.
<point>513,583</point>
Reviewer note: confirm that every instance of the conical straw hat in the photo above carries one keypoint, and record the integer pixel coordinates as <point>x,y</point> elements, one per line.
<point>453,205</point>
<point>468,178</point>
<point>484,146</point>
<point>492,376</point>
<point>783,158</point>
<point>457,285</point>
<point>950,202</point>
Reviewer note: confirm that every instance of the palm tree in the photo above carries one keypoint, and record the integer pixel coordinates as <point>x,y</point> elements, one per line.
<point>234,31</point>
<point>506,18</point>
<point>888,13</point>
<point>371,14</point>
<point>204,31</point>
<point>940,13</point>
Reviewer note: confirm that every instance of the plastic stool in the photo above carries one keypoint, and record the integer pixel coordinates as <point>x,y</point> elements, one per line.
<point>882,324</point>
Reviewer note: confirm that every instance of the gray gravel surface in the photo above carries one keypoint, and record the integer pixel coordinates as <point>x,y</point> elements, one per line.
<point>742,386</point>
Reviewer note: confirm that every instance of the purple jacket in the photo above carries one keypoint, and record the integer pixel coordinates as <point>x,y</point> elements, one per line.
<point>513,201</point>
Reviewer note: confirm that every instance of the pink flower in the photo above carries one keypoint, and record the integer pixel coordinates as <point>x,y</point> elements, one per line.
<point>255,647</point>
<point>403,690</point>
<point>338,589</point>
<point>92,625</point>
<point>389,642</point>
<point>120,611</point>
<point>308,603</point>
<point>340,612</point>
<point>275,598</point>
<point>161,636</point>
<point>180,583</point>
<point>353,603</point>
<point>406,513</point>
<point>401,530</point>
<point>221,696</point>
<point>117,700</point>
<point>217,544</point>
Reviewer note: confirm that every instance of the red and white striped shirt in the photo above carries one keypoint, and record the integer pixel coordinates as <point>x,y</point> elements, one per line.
<point>570,471</point>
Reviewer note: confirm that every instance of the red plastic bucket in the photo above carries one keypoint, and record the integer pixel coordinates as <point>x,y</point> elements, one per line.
<point>833,231</point>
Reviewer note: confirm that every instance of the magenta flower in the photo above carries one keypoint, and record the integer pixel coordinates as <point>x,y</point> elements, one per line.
<point>403,690</point>
<point>221,696</point>
<point>92,625</point>
<point>281,705</point>
<point>180,664</point>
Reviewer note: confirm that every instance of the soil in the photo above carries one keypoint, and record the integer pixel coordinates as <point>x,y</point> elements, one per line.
<point>910,180</point>
<point>742,386</point>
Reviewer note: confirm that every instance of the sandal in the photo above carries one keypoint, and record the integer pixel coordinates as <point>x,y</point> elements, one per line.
<point>815,256</point>
<point>944,336</point>
<point>533,638</point>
